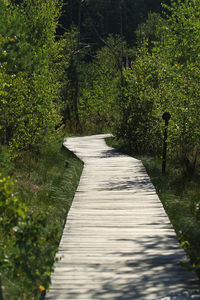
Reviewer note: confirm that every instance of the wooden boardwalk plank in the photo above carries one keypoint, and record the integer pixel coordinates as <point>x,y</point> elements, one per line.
<point>118,242</point>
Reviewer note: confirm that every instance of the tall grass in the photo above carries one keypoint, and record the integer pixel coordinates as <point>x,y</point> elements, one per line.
<point>47,191</point>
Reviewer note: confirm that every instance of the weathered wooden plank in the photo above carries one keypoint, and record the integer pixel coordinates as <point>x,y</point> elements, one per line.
<point>118,242</point>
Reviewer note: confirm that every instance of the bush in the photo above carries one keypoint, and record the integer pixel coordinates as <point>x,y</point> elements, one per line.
<point>24,243</point>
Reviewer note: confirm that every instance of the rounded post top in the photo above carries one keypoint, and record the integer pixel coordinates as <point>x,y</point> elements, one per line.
<point>166,116</point>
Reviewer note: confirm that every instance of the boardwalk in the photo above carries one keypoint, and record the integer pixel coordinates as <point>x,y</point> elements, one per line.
<point>118,242</point>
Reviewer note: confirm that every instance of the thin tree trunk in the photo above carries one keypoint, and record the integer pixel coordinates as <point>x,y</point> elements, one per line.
<point>77,68</point>
<point>76,101</point>
<point>5,130</point>
<point>29,162</point>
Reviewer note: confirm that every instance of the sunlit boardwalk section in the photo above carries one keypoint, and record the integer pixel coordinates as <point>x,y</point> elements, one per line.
<point>118,242</point>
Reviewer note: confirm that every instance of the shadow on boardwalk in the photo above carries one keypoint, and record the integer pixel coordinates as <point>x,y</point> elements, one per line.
<point>147,277</point>
<point>155,269</point>
<point>127,184</point>
<point>111,153</point>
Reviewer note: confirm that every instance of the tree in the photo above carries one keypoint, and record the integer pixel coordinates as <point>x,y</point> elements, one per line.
<point>150,31</point>
<point>70,64</point>
<point>179,53</point>
<point>140,121</point>
<point>99,102</point>
<point>164,77</point>
<point>28,111</point>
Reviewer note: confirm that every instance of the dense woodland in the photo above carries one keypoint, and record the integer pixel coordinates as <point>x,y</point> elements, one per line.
<point>83,67</point>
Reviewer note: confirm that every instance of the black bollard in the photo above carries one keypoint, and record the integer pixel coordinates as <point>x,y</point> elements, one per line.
<point>166,117</point>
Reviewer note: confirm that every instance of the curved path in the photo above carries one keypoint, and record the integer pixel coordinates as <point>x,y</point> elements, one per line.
<point>118,242</point>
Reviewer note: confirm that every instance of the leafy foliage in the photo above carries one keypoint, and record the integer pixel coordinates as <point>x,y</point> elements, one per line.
<point>21,230</point>
<point>163,78</point>
<point>140,119</point>
<point>32,216</point>
<point>28,114</point>
<point>99,99</point>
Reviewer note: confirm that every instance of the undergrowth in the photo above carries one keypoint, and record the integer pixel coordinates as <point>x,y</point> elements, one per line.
<point>44,188</point>
<point>180,195</point>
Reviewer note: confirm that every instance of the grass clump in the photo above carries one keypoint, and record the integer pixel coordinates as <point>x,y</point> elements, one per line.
<point>42,187</point>
<point>180,196</point>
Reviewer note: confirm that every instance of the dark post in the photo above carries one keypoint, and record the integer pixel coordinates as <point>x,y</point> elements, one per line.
<point>166,116</point>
